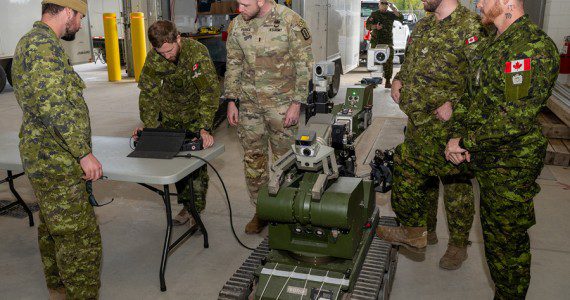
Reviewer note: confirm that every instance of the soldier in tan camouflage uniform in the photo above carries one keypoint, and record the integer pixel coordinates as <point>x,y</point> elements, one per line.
<point>55,148</point>
<point>432,81</point>
<point>180,90</point>
<point>268,70</point>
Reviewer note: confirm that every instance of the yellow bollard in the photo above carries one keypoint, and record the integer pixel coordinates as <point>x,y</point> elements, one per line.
<point>138,41</point>
<point>112,46</point>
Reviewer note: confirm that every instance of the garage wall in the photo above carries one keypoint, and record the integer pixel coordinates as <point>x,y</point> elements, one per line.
<point>557,20</point>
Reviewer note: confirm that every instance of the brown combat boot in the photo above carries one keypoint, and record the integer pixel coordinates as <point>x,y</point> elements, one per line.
<point>57,294</point>
<point>255,226</point>
<point>182,218</point>
<point>413,238</point>
<point>432,238</point>
<point>453,257</point>
<point>388,85</point>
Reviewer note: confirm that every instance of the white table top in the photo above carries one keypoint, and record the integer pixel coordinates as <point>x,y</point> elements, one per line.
<point>112,153</point>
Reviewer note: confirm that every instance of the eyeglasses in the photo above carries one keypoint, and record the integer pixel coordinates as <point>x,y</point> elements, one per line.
<point>166,51</point>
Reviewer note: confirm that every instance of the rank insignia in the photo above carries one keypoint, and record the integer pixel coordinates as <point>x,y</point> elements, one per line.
<point>195,67</point>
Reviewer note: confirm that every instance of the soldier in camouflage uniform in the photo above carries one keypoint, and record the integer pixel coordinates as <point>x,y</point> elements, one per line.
<point>268,69</point>
<point>432,81</point>
<point>498,132</point>
<point>56,153</point>
<point>180,90</point>
<point>381,23</point>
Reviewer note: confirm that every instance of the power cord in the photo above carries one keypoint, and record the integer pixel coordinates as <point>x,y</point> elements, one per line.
<point>227,197</point>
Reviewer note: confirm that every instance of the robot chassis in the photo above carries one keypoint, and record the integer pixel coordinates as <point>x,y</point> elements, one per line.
<point>322,219</point>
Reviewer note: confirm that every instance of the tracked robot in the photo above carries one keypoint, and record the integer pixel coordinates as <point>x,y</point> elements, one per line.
<point>322,219</point>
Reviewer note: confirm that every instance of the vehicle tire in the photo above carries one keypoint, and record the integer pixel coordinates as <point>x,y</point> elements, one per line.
<point>2,79</point>
<point>333,87</point>
<point>8,70</point>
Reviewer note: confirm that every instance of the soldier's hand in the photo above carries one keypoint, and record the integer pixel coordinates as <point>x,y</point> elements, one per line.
<point>233,113</point>
<point>396,87</point>
<point>378,26</point>
<point>292,115</point>
<point>135,136</point>
<point>91,167</point>
<point>456,154</point>
<point>207,139</point>
<point>444,112</point>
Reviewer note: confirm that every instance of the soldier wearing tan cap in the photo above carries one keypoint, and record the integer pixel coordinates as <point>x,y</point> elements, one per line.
<point>55,148</point>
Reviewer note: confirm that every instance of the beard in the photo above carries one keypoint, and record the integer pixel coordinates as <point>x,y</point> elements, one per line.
<point>431,5</point>
<point>488,16</point>
<point>68,37</point>
<point>69,32</point>
<point>253,16</point>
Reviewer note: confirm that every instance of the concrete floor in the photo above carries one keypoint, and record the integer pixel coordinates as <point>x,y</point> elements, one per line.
<point>133,226</point>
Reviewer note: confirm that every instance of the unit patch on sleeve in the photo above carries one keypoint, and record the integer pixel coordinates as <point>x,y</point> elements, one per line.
<point>471,40</point>
<point>305,33</point>
<point>517,78</point>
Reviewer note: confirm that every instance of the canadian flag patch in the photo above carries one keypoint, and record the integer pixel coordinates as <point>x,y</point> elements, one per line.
<point>516,66</point>
<point>471,40</point>
<point>195,67</point>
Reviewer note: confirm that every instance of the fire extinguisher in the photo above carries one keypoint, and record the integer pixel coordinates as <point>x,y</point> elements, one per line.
<point>565,57</point>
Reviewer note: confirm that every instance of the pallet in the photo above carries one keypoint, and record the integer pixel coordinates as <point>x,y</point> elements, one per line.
<point>558,152</point>
<point>552,126</point>
<point>560,108</point>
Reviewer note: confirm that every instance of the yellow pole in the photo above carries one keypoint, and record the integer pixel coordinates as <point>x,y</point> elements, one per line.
<point>112,46</point>
<point>139,42</point>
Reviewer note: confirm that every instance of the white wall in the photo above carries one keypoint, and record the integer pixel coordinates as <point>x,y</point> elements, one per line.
<point>557,20</point>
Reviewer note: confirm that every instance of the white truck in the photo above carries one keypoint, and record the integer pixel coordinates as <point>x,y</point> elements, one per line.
<point>334,26</point>
<point>17,18</point>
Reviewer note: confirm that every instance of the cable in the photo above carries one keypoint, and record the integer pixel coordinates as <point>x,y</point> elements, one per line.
<point>227,197</point>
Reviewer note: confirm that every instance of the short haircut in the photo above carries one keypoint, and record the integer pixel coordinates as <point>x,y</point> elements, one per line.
<point>53,9</point>
<point>161,32</point>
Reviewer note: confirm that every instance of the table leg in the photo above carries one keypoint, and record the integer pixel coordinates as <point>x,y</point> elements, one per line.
<point>10,179</point>
<point>165,249</point>
<point>191,207</point>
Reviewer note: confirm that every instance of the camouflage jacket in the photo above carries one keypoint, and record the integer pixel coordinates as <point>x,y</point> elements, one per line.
<point>183,95</point>
<point>514,78</point>
<point>386,19</point>
<point>439,58</point>
<point>55,130</point>
<point>269,57</point>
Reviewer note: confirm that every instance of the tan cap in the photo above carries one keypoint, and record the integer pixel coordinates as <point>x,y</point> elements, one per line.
<point>78,5</point>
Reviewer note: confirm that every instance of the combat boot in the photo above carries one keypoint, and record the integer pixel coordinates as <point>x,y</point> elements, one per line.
<point>255,226</point>
<point>57,294</point>
<point>453,257</point>
<point>388,85</point>
<point>413,238</point>
<point>432,238</point>
<point>181,218</point>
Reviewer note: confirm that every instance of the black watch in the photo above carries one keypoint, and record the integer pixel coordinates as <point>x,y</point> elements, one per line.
<point>232,100</point>
<point>461,143</point>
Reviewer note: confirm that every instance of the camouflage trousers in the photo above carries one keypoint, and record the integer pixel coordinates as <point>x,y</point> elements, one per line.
<point>199,180</point>
<point>507,212</point>
<point>389,65</point>
<point>508,187</point>
<point>68,236</point>
<point>261,125</point>
<point>415,193</point>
